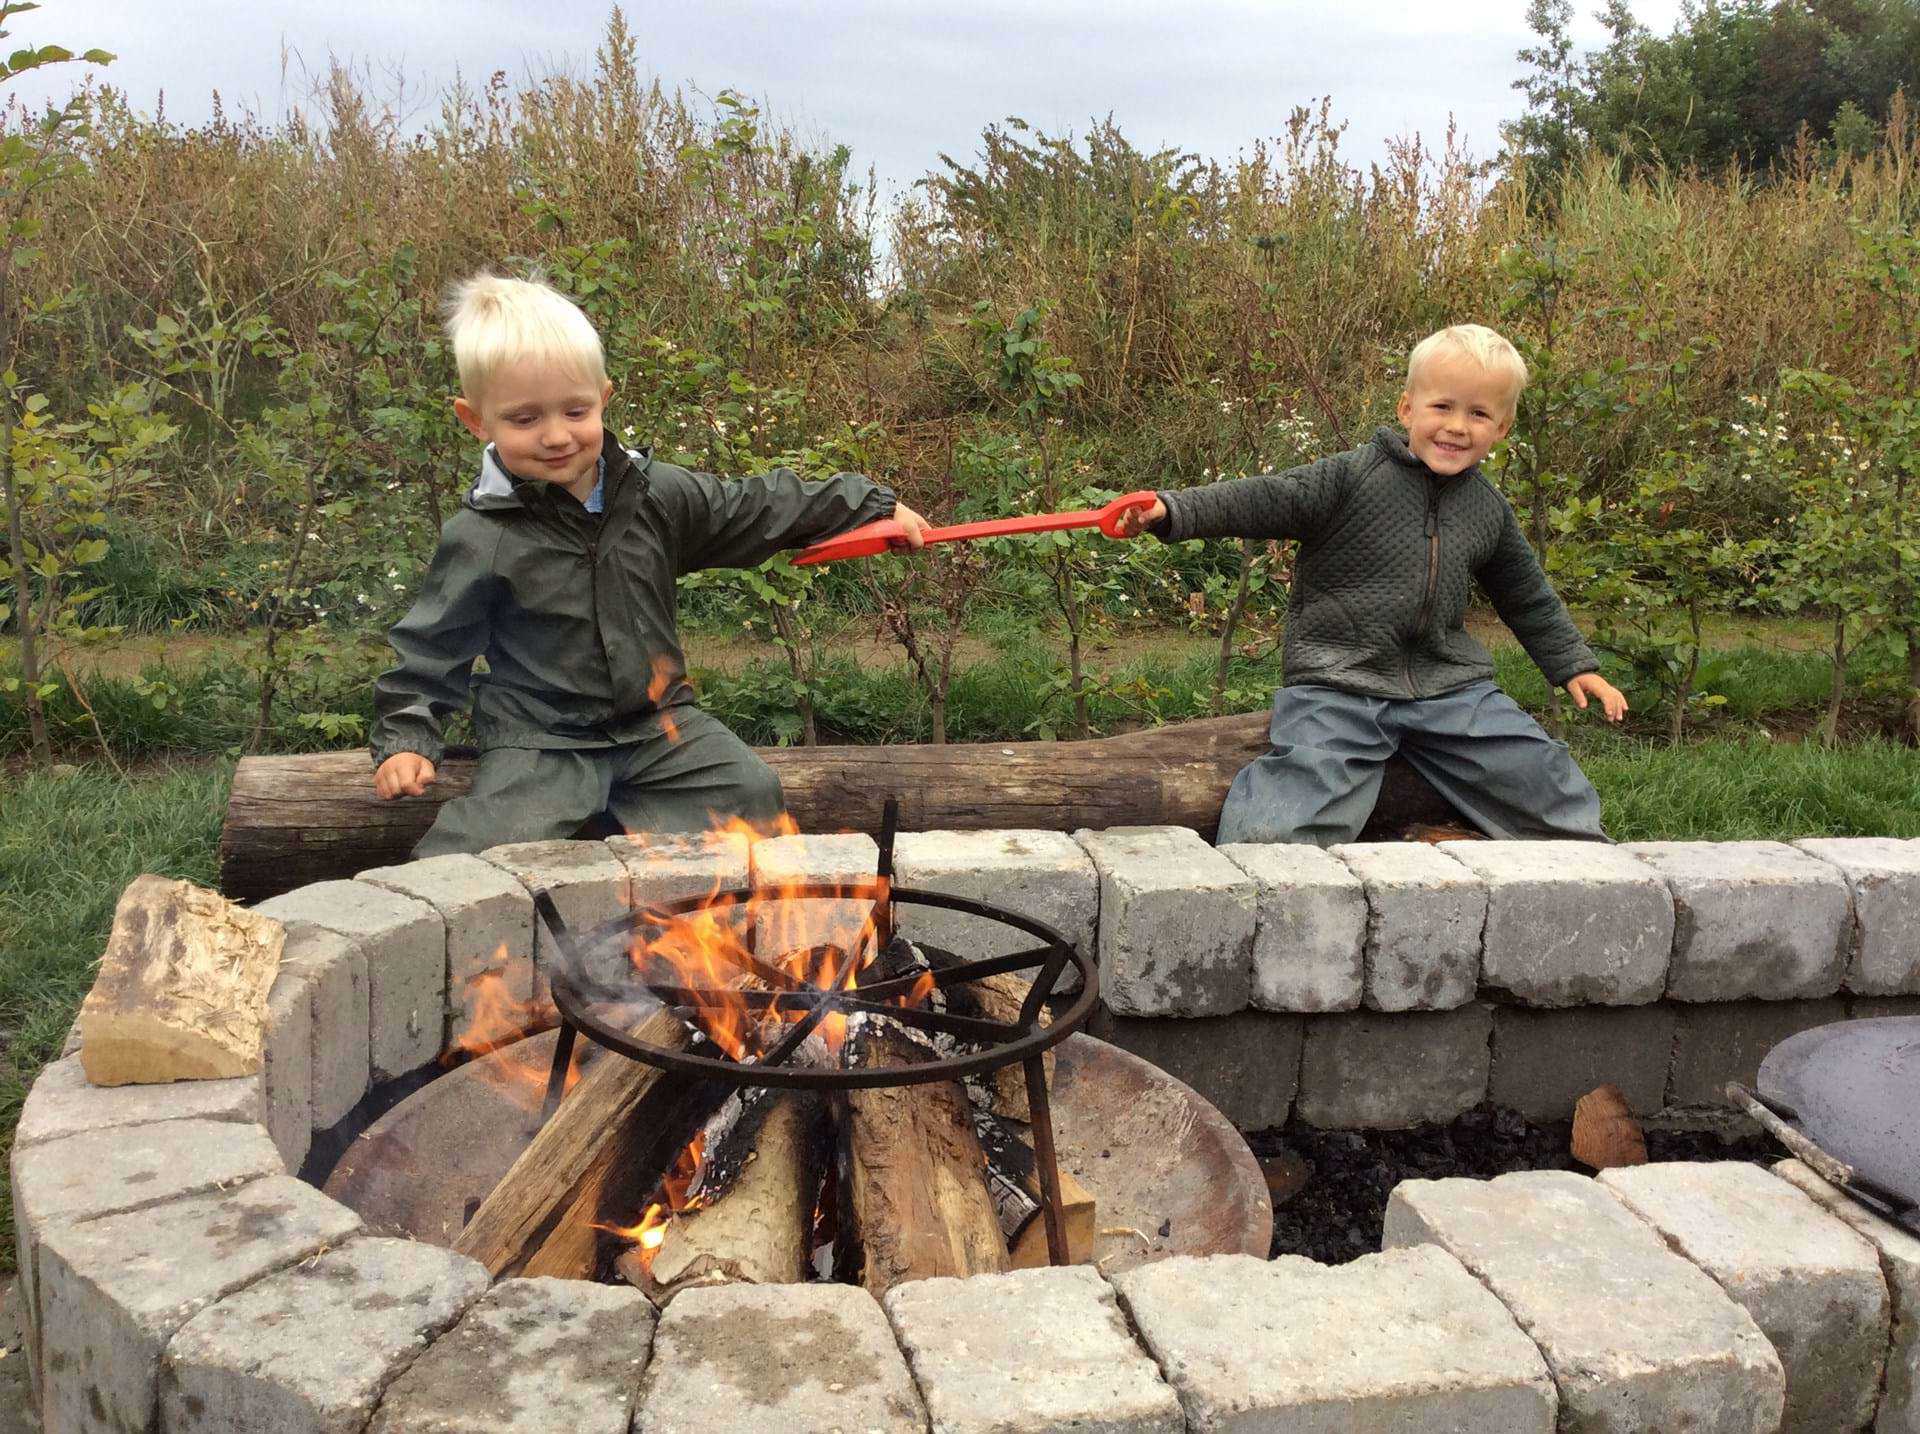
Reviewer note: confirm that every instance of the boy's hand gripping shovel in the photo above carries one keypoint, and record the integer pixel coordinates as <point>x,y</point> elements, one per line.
<point>880,537</point>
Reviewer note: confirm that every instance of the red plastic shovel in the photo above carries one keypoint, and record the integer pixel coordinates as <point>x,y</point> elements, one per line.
<point>880,537</point>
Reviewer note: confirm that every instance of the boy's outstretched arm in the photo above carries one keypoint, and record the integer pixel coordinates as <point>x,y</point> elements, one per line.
<point>1292,504</point>
<point>436,643</point>
<point>742,522</point>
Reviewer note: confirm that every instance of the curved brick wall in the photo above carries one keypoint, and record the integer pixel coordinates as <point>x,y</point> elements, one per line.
<point>178,1278</point>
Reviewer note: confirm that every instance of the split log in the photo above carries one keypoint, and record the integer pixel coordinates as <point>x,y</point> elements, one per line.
<point>1013,1179</point>
<point>1029,1248</point>
<point>913,1194</point>
<point>1605,1134</point>
<point>1002,998</point>
<point>182,988</point>
<point>758,1229</point>
<point>299,819</point>
<point>607,1129</point>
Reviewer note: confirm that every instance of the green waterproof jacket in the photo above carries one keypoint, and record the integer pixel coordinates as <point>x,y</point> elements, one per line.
<point>576,612</point>
<point>1389,554</point>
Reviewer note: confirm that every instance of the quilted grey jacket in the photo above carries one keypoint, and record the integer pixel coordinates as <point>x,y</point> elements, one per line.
<point>1389,552</point>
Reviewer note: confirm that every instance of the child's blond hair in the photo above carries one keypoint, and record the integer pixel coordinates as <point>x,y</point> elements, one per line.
<point>1479,343</point>
<point>494,321</point>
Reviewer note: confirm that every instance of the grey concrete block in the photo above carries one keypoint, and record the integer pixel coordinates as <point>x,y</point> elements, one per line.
<point>405,943</point>
<point>1309,942</point>
<point>745,1359</point>
<point>1751,918</point>
<point>1405,1340</point>
<point>1544,1061</point>
<point>1045,875</point>
<point>1717,1043</point>
<point>1899,1252</point>
<point>782,927</point>
<point>62,1102</point>
<point>489,919</point>
<point>106,1172</point>
<point>1425,913</point>
<point>341,1043</point>
<point>286,1065</point>
<point>308,1350</point>
<point>534,1356</point>
<point>1364,1070</point>
<point>1031,1351</point>
<point>589,886</point>
<point>1636,1337</point>
<point>1176,923</point>
<point>1883,874</point>
<point>1246,1065</point>
<point>1811,1284</point>
<point>665,867</point>
<point>1570,923</point>
<point>114,1290</point>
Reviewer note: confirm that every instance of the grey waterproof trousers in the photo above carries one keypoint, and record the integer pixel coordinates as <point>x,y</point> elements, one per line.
<point>1476,746</point>
<point>681,777</point>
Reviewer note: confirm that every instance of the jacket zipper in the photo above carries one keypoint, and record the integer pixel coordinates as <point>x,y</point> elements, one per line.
<point>1433,579</point>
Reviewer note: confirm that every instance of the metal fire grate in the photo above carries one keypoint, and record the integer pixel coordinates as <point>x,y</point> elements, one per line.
<point>987,1045</point>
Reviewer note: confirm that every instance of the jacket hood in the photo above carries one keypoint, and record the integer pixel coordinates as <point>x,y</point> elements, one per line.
<point>494,489</point>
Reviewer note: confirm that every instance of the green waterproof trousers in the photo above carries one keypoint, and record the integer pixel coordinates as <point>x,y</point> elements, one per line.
<point>683,776</point>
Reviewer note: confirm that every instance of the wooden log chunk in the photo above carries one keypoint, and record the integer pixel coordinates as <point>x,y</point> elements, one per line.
<point>292,820</point>
<point>1029,1248</point>
<point>1001,998</point>
<point>758,1229</point>
<point>914,1201</point>
<point>182,988</point>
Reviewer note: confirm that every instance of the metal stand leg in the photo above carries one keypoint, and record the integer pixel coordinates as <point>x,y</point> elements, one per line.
<point>557,1074</point>
<point>1035,1070</point>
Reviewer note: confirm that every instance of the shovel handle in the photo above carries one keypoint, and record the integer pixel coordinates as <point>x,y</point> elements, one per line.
<point>874,538</point>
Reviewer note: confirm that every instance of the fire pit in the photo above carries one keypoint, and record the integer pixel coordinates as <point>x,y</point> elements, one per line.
<point>717,1019</point>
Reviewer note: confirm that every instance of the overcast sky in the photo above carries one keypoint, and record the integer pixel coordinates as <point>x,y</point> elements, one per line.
<point>898,82</point>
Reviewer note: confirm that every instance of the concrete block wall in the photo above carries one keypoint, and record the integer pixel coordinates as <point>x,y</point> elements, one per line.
<point>176,1277</point>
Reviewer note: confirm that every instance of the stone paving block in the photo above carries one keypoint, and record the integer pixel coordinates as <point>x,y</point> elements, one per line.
<point>1883,873</point>
<point>1034,1350</point>
<point>590,887</point>
<point>286,1065</point>
<point>534,1356</point>
<point>1811,1284</point>
<point>1544,1061</point>
<point>106,1172</point>
<point>1751,918</point>
<point>783,926</point>
<point>1403,1340</point>
<point>1570,923</point>
<point>114,1290</point>
<point>62,1102</point>
<point>405,944</point>
<point>1717,1043</point>
<point>1176,923</point>
<point>1045,875</point>
<point>680,866</point>
<point>1309,942</point>
<point>1899,1253</point>
<point>489,919</point>
<point>1425,913</point>
<point>309,1350</point>
<point>1636,1338</point>
<point>341,1035</point>
<point>1368,1071</point>
<point>746,1359</point>
<point>1246,1065</point>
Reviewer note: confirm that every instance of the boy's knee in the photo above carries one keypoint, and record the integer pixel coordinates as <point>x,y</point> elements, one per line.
<point>760,796</point>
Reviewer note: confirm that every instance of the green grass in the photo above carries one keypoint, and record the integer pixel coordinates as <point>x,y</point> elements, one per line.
<point>68,846</point>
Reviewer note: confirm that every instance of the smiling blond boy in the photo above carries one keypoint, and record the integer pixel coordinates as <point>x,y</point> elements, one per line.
<point>559,569</point>
<point>1393,538</point>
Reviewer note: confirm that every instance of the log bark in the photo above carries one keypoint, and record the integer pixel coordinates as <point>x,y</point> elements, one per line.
<point>913,1190</point>
<point>758,1229</point>
<point>182,989</point>
<point>569,1170</point>
<point>300,819</point>
<point>1001,998</point>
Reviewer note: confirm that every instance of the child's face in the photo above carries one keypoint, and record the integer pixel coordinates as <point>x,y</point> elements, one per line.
<point>1454,412</point>
<point>544,421</point>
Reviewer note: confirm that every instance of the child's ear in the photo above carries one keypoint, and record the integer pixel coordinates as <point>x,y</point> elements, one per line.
<point>1404,409</point>
<point>467,415</point>
<point>606,393</point>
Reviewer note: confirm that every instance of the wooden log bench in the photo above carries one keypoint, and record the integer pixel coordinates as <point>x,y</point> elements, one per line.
<point>292,820</point>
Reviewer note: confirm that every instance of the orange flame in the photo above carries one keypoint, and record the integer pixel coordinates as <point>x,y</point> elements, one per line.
<point>497,1017</point>
<point>665,675</point>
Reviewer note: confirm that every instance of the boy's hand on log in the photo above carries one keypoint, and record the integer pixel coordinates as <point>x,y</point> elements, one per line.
<point>1613,702</point>
<point>1135,521</point>
<point>915,526</point>
<point>404,774</point>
